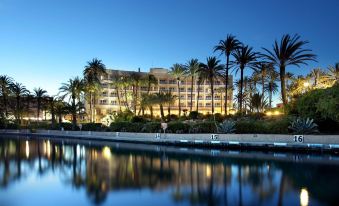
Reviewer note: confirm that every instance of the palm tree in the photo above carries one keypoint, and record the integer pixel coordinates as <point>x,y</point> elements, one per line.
<point>257,102</point>
<point>192,68</point>
<point>261,70</point>
<point>18,91</point>
<point>211,71</point>
<point>92,73</point>
<point>271,86</point>
<point>244,57</point>
<point>117,85</point>
<point>227,46</point>
<point>318,76</point>
<point>136,79</point>
<point>178,71</point>
<point>61,109</point>
<point>169,99</point>
<point>289,52</point>
<point>5,82</point>
<point>160,98</point>
<point>201,79</point>
<point>151,80</point>
<point>72,89</point>
<point>39,95</point>
<point>332,76</point>
<point>52,105</point>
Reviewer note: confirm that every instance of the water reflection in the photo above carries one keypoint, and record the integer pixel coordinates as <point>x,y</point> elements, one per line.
<point>174,178</point>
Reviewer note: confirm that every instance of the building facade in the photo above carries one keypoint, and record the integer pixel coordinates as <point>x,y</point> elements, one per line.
<point>111,94</point>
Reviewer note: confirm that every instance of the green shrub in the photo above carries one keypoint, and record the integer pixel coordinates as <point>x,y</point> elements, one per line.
<point>151,127</point>
<point>203,127</point>
<point>226,127</point>
<point>138,119</point>
<point>318,104</point>
<point>126,127</point>
<point>126,115</point>
<point>279,126</point>
<point>250,126</point>
<point>303,126</point>
<point>177,127</point>
<point>193,115</point>
<point>93,127</point>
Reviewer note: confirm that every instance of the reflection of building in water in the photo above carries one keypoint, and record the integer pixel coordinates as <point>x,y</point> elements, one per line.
<point>185,178</point>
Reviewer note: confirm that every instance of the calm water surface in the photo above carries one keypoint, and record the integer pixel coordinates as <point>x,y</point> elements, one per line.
<point>59,172</point>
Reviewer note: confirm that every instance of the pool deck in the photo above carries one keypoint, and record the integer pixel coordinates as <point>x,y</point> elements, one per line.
<point>317,143</point>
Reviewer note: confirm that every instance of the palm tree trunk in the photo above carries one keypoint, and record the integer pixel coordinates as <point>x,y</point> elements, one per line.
<point>119,101</point>
<point>74,114</point>
<point>162,112</point>
<point>198,98</point>
<point>226,83</point>
<point>241,87</point>
<point>151,110</point>
<point>90,107</point>
<point>270,99</point>
<point>212,92</point>
<point>283,87</point>
<point>179,98</point>
<point>191,93</point>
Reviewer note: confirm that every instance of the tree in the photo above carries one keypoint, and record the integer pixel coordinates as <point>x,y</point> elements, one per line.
<point>289,52</point>
<point>169,99</point>
<point>39,94</point>
<point>211,71</point>
<point>244,57</point>
<point>136,78</point>
<point>318,77</point>
<point>178,71</point>
<point>18,91</point>
<point>92,73</point>
<point>160,98</point>
<point>257,102</point>
<point>61,108</point>
<point>226,47</point>
<point>151,80</point>
<point>5,82</point>
<point>332,76</point>
<point>271,86</point>
<point>72,89</point>
<point>192,68</point>
<point>201,79</point>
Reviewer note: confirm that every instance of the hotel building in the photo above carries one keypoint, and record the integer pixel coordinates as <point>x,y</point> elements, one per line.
<point>107,102</point>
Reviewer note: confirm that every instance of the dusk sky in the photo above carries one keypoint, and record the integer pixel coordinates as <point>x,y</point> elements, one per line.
<point>44,42</point>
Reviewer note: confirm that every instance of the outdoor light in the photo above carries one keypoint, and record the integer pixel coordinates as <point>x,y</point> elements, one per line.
<point>306,84</point>
<point>276,112</point>
<point>304,197</point>
<point>269,113</point>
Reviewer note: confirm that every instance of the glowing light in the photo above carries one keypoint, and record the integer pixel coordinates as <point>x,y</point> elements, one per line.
<point>27,149</point>
<point>48,148</point>
<point>304,199</point>
<point>306,84</point>
<point>269,113</point>
<point>276,112</point>
<point>106,152</point>
<point>208,171</point>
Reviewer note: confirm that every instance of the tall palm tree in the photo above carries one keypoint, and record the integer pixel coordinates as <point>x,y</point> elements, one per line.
<point>151,80</point>
<point>178,71</point>
<point>201,79</point>
<point>261,70</point>
<point>136,78</point>
<point>244,57</point>
<point>5,82</point>
<point>290,51</point>
<point>318,77</point>
<point>226,47</point>
<point>61,109</point>
<point>192,68</point>
<point>160,99</point>
<point>92,73</point>
<point>211,70</point>
<point>117,85</point>
<point>39,95</point>
<point>169,99</point>
<point>72,89</point>
<point>271,86</point>
<point>18,91</point>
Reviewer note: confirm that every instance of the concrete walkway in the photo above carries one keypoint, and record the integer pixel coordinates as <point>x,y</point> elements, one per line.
<point>322,143</point>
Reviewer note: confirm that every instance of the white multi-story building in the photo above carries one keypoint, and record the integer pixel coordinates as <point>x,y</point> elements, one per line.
<point>108,101</point>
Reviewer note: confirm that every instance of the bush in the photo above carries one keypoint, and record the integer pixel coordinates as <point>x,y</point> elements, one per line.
<point>93,127</point>
<point>250,126</point>
<point>177,127</point>
<point>203,127</point>
<point>138,119</point>
<point>151,127</point>
<point>319,104</point>
<point>193,115</point>
<point>126,127</point>
<point>126,115</point>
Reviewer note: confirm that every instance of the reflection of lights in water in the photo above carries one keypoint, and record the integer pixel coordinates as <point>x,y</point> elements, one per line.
<point>27,149</point>
<point>304,197</point>
<point>78,149</point>
<point>106,152</point>
<point>208,171</point>
<point>48,148</point>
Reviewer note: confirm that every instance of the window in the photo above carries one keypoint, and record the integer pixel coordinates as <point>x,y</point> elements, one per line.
<point>104,94</point>
<point>171,89</point>
<point>113,94</point>
<point>103,101</point>
<point>182,89</point>
<point>113,102</point>
<point>208,98</point>
<point>163,81</point>
<point>172,81</point>
<point>208,104</point>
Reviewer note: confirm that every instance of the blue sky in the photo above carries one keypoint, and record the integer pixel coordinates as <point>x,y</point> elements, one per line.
<point>45,42</point>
